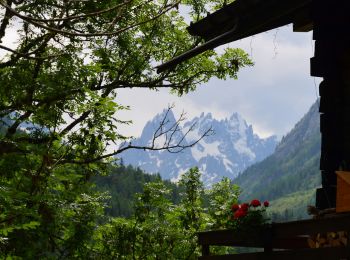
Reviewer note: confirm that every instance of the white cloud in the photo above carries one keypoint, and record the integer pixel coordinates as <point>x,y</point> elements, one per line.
<point>272,95</point>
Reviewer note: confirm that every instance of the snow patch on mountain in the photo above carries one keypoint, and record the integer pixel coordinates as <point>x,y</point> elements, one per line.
<point>203,150</point>
<point>228,165</point>
<point>231,149</point>
<point>242,148</point>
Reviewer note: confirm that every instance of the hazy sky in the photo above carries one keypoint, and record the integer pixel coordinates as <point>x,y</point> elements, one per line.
<point>272,95</point>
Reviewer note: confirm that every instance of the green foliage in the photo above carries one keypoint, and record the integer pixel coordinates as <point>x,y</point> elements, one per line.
<point>59,106</point>
<point>122,183</point>
<point>160,229</point>
<point>191,202</point>
<point>221,196</point>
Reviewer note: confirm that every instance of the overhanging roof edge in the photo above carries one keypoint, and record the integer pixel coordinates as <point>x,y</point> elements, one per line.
<point>256,21</point>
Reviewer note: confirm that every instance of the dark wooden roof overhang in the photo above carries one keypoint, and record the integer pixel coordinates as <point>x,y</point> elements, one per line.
<point>244,18</point>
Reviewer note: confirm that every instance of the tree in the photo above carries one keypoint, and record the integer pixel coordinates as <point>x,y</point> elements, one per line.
<point>163,230</point>
<point>58,100</point>
<point>222,196</point>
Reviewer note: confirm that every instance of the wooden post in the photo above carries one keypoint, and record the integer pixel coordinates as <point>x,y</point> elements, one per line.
<point>205,250</point>
<point>332,62</point>
<point>267,238</point>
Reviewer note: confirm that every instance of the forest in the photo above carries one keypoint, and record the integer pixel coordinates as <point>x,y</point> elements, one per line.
<point>62,64</point>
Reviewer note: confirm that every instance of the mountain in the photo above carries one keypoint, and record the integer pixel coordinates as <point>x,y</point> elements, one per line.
<point>292,169</point>
<point>232,148</point>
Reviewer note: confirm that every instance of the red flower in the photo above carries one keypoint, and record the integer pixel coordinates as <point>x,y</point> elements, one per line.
<point>266,203</point>
<point>255,203</point>
<point>234,207</point>
<point>245,206</point>
<point>240,213</point>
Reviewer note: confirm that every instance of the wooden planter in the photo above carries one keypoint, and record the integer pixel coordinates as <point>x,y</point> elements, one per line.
<point>343,192</point>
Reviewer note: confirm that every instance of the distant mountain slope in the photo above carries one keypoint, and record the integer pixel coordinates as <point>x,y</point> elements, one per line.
<point>292,206</point>
<point>293,167</point>
<point>232,148</point>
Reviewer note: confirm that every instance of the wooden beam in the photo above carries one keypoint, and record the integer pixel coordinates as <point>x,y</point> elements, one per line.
<point>240,19</point>
<point>303,27</point>
<point>331,61</point>
<point>303,21</point>
<point>330,253</point>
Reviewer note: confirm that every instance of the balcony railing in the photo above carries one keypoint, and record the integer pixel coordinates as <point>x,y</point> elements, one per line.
<point>282,240</point>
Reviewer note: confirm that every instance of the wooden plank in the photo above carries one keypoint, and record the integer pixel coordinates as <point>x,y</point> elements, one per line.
<point>328,165</point>
<point>303,21</point>
<point>331,88</point>
<point>290,235</point>
<point>229,238</point>
<point>205,250</point>
<point>329,179</point>
<point>344,175</point>
<point>338,222</point>
<point>216,238</point>
<point>343,192</point>
<point>331,19</point>
<point>290,243</point>
<point>323,47</point>
<point>325,196</point>
<point>330,253</point>
<point>252,14</point>
<point>303,27</point>
<point>319,68</point>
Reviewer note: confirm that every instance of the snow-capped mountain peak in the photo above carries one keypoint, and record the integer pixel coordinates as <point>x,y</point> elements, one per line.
<point>232,148</point>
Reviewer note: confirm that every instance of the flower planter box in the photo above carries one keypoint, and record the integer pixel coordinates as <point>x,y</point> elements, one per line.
<point>343,192</point>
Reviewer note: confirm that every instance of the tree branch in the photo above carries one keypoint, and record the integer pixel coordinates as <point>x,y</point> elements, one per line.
<point>73,17</point>
<point>170,146</point>
<point>72,34</point>
<point>77,121</point>
<point>27,55</point>
<point>45,38</point>
<point>13,128</point>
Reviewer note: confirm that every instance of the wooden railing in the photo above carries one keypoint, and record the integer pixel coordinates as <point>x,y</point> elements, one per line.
<point>281,241</point>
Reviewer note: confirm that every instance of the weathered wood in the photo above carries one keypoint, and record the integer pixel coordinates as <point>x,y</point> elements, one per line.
<point>330,253</point>
<point>322,67</point>
<point>205,250</point>
<point>253,15</point>
<point>238,20</point>
<point>343,191</point>
<point>229,238</point>
<point>331,61</point>
<point>325,196</point>
<point>338,222</point>
<point>290,235</point>
<point>303,21</point>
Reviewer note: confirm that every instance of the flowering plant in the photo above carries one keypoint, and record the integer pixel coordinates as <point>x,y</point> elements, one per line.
<point>247,217</point>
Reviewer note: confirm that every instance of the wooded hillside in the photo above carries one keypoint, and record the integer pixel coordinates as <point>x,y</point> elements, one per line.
<point>292,170</point>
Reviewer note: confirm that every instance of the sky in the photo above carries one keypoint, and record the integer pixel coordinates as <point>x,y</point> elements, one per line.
<point>272,95</point>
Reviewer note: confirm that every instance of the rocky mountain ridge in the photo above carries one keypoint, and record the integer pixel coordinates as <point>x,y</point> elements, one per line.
<point>231,149</point>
